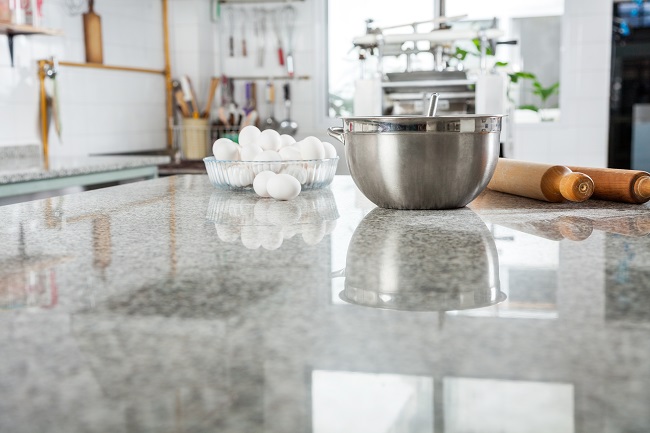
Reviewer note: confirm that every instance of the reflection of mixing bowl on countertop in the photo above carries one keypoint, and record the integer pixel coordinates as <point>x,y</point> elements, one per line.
<point>267,223</point>
<point>422,261</point>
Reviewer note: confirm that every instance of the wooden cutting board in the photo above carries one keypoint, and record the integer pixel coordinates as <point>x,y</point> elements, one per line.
<point>93,35</point>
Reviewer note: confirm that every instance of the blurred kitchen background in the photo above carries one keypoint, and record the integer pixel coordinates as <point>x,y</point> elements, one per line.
<point>569,73</point>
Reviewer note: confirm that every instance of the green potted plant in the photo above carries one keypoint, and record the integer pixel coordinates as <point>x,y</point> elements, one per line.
<point>544,93</point>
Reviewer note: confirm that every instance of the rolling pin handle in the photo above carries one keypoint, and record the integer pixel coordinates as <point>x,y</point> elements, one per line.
<point>576,187</point>
<point>642,188</point>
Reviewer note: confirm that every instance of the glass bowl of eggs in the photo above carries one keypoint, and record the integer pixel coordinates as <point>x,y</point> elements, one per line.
<point>234,166</point>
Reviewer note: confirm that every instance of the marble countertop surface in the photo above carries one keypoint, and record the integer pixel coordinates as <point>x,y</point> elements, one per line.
<point>166,305</point>
<point>25,166</point>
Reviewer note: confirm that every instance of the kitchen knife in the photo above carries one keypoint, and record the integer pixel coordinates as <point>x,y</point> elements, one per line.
<point>553,183</point>
<point>628,186</point>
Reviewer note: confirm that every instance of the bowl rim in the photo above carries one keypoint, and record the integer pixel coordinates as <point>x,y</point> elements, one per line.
<point>302,161</point>
<point>420,117</point>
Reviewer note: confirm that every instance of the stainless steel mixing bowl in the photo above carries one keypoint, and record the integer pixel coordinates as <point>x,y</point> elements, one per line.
<point>421,162</point>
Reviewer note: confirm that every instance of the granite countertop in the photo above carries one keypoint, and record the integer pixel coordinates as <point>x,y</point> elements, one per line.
<point>166,305</point>
<point>28,165</point>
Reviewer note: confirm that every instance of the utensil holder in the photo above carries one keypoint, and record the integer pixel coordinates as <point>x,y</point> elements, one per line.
<point>194,138</point>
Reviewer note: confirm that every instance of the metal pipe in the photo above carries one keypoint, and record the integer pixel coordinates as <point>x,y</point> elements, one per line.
<point>440,8</point>
<point>439,11</point>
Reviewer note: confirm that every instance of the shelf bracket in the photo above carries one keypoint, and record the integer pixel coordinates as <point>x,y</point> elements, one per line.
<point>10,40</point>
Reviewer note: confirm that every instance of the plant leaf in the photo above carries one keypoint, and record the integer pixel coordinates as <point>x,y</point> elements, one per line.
<point>526,75</point>
<point>500,64</point>
<point>529,107</point>
<point>477,44</point>
<point>461,53</point>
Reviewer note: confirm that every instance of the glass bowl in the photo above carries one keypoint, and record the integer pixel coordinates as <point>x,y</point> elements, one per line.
<point>239,175</point>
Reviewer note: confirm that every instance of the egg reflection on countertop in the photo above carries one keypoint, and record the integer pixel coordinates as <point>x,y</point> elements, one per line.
<point>266,223</point>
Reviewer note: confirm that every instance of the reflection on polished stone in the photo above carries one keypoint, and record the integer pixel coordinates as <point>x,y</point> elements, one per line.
<point>28,280</point>
<point>559,221</point>
<point>627,294</point>
<point>347,401</point>
<point>422,261</point>
<point>267,223</point>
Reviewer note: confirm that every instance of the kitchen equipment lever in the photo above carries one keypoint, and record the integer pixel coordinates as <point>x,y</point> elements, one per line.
<point>433,105</point>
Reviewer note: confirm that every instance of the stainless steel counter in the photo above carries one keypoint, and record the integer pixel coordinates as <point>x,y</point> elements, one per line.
<point>166,305</point>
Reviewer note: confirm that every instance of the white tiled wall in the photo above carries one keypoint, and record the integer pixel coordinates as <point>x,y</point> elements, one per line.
<point>101,110</point>
<point>119,111</point>
<point>580,138</point>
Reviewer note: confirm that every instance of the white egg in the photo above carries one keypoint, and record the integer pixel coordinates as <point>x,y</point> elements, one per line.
<point>269,139</point>
<point>271,238</point>
<point>250,237</point>
<point>330,150</point>
<point>312,175</point>
<point>286,140</point>
<point>296,171</point>
<point>311,148</point>
<point>271,161</point>
<point>283,187</point>
<point>290,153</point>
<point>249,135</point>
<point>246,176</point>
<point>249,152</point>
<point>224,149</point>
<point>227,233</point>
<point>234,178</point>
<point>312,233</point>
<point>260,181</point>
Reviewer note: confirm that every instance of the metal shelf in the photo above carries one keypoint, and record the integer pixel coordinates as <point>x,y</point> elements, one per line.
<point>422,96</point>
<point>426,83</point>
<point>12,30</point>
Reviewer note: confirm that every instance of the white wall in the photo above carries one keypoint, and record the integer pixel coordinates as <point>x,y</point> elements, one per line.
<point>580,138</point>
<point>101,111</point>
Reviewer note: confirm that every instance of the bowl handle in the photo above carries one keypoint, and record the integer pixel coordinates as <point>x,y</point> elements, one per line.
<point>336,132</point>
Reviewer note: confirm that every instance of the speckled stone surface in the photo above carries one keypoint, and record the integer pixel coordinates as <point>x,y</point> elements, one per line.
<point>166,305</point>
<point>27,167</point>
<point>24,151</point>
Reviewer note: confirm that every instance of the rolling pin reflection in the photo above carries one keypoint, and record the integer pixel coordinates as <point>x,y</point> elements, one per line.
<point>557,229</point>
<point>580,228</point>
<point>636,226</point>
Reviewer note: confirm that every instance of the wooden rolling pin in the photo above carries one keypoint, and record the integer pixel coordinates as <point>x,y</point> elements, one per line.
<point>628,186</point>
<point>554,183</point>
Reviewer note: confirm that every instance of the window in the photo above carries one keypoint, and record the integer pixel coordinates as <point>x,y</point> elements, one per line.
<point>346,20</point>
